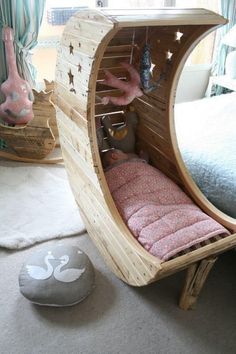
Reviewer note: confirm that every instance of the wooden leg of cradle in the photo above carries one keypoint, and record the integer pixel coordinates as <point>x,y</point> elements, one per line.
<point>195,279</point>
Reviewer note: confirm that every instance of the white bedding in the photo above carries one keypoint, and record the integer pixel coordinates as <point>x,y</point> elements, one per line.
<point>206,132</point>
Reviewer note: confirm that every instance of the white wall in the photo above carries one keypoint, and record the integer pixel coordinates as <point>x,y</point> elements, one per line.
<point>193,83</point>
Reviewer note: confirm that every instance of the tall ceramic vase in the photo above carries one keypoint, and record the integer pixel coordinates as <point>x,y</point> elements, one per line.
<point>17,107</point>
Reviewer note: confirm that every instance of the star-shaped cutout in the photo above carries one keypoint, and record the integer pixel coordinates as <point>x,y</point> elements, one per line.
<point>71,48</point>
<point>71,77</point>
<point>168,55</point>
<point>178,35</point>
<point>152,67</point>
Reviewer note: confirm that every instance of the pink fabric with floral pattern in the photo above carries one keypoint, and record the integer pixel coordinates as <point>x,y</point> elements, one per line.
<point>158,213</point>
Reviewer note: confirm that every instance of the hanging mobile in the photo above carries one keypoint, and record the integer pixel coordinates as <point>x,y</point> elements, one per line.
<point>145,68</point>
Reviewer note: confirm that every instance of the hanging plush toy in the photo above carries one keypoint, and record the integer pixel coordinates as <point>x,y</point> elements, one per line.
<point>131,89</point>
<point>146,71</point>
<point>139,84</point>
<point>17,108</point>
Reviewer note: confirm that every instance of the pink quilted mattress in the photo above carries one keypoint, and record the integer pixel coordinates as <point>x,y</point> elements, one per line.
<point>157,212</point>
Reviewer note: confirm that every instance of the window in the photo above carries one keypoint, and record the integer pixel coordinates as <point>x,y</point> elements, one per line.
<point>125,4</point>
<point>57,13</point>
<point>55,16</point>
<point>203,52</point>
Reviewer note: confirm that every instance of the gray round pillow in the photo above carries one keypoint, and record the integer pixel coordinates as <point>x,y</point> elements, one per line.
<point>57,276</point>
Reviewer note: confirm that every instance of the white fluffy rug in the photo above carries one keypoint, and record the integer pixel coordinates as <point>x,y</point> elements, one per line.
<point>36,204</point>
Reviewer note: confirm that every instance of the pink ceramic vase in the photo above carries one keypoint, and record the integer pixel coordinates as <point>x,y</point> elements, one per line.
<point>17,108</point>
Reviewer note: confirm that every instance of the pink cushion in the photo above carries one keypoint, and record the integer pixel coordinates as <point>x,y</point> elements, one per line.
<point>158,213</point>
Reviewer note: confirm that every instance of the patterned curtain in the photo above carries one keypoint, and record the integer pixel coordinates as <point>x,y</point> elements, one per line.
<point>25,17</point>
<point>228,10</point>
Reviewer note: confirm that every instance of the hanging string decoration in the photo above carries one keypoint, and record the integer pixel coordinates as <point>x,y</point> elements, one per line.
<point>146,69</point>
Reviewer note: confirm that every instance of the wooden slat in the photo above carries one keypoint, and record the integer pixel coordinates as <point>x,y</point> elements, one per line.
<point>95,16</point>
<point>72,113</point>
<point>153,109</point>
<point>79,161</point>
<point>87,29</point>
<point>179,263</point>
<point>159,132</point>
<point>70,136</point>
<point>117,49</point>
<point>81,61</point>
<point>78,129</point>
<point>64,93</point>
<point>150,135</point>
<point>117,119</point>
<point>123,37</point>
<point>153,123</point>
<point>196,277</point>
<point>109,92</point>
<point>71,77</point>
<point>100,86</point>
<point>158,105</point>
<point>160,161</point>
<point>161,93</point>
<point>110,62</point>
<point>167,13</point>
<point>83,45</point>
<point>168,20</point>
<point>101,109</point>
<point>119,72</point>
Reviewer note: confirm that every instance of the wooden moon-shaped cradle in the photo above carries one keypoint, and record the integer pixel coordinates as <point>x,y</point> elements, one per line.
<point>95,40</point>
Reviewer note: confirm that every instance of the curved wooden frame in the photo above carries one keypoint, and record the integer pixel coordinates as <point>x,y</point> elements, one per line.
<point>79,69</point>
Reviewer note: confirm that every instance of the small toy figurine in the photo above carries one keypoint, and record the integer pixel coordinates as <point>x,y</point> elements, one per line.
<point>131,88</point>
<point>17,108</point>
<point>122,137</point>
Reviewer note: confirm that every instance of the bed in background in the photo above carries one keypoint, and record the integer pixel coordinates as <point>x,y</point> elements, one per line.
<point>206,133</point>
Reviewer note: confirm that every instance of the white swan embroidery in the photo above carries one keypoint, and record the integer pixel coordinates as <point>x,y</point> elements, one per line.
<point>67,275</point>
<point>41,273</point>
